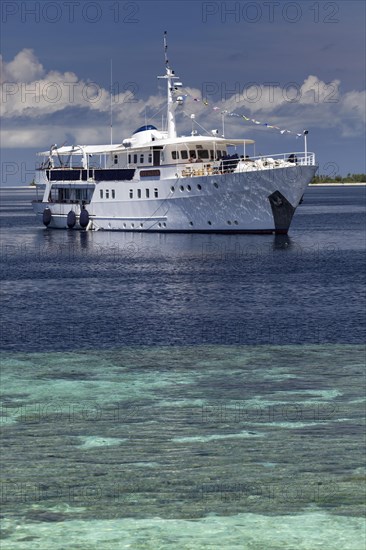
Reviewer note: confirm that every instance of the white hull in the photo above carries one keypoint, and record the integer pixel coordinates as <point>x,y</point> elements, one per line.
<point>234,202</point>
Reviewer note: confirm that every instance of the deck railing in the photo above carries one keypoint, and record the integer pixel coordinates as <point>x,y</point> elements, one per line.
<point>237,164</point>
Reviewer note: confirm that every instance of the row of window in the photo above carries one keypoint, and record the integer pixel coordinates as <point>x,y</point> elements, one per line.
<point>210,222</point>
<point>203,154</point>
<point>189,188</point>
<point>163,224</point>
<point>147,193</point>
<point>112,194</point>
<point>66,195</point>
<point>134,158</point>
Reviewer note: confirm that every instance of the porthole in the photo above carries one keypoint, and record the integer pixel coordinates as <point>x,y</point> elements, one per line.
<point>199,187</point>
<point>141,225</point>
<point>181,188</point>
<point>132,225</point>
<point>236,222</point>
<point>191,223</point>
<point>209,223</point>
<point>172,188</point>
<point>229,222</point>
<point>189,188</point>
<point>216,185</point>
<point>159,224</point>
<point>164,224</point>
<point>124,225</point>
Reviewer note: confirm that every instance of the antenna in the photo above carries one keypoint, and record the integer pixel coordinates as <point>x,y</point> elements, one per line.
<point>169,76</point>
<point>111,105</point>
<point>223,113</point>
<point>166,49</point>
<point>306,145</point>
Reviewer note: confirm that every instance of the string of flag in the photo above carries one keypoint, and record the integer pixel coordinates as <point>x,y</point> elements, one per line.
<point>247,119</point>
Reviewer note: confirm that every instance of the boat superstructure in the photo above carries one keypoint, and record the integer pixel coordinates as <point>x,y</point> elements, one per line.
<point>157,181</point>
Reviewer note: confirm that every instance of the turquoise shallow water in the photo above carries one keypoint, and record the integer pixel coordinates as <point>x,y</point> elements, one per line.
<point>183,447</point>
<point>186,392</point>
<point>307,531</point>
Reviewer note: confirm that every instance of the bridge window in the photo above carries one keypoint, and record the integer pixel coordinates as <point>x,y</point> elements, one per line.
<point>156,192</point>
<point>135,159</point>
<point>175,155</point>
<point>147,192</point>
<point>203,154</point>
<point>192,154</point>
<point>129,159</point>
<point>79,194</point>
<point>107,193</point>
<point>139,193</point>
<point>141,159</point>
<point>101,193</point>
<point>115,159</point>
<point>113,194</point>
<point>184,154</point>
<point>131,193</point>
<point>63,195</point>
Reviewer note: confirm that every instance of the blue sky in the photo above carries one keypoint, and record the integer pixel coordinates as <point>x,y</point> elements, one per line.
<point>294,65</point>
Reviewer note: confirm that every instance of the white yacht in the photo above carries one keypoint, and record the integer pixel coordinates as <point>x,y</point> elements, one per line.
<point>159,181</point>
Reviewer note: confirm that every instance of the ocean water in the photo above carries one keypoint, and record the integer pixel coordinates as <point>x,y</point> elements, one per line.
<point>184,391</point>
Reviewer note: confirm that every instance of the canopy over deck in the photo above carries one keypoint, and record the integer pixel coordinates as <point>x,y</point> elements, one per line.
<point>117,148</point>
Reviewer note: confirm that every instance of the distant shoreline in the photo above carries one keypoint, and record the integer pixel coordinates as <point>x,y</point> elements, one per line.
<point>335,184</point>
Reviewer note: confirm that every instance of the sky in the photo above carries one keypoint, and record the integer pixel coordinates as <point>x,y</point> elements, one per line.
<point>294,65</point>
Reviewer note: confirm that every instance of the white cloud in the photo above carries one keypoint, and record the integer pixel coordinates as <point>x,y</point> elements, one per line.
<point>30,96</point>
<point>314,103</point>
<point>27,91</point>
<point>25,67</point>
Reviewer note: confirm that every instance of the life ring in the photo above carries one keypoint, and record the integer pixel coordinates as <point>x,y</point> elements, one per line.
<point>71,219</point>
<point>47,215</point>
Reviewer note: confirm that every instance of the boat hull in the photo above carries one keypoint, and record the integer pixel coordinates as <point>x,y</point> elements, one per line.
<point>262,201</point>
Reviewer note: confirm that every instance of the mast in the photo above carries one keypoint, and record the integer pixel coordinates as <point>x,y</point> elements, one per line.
<point>169,76</point>
<point>111,103</point>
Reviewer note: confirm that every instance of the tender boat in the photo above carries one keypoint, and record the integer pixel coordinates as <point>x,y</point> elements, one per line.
<point>158,181</point>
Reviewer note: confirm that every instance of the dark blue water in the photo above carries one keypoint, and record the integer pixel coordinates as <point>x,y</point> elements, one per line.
<point>71,290</point>
<point>184,391</point>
